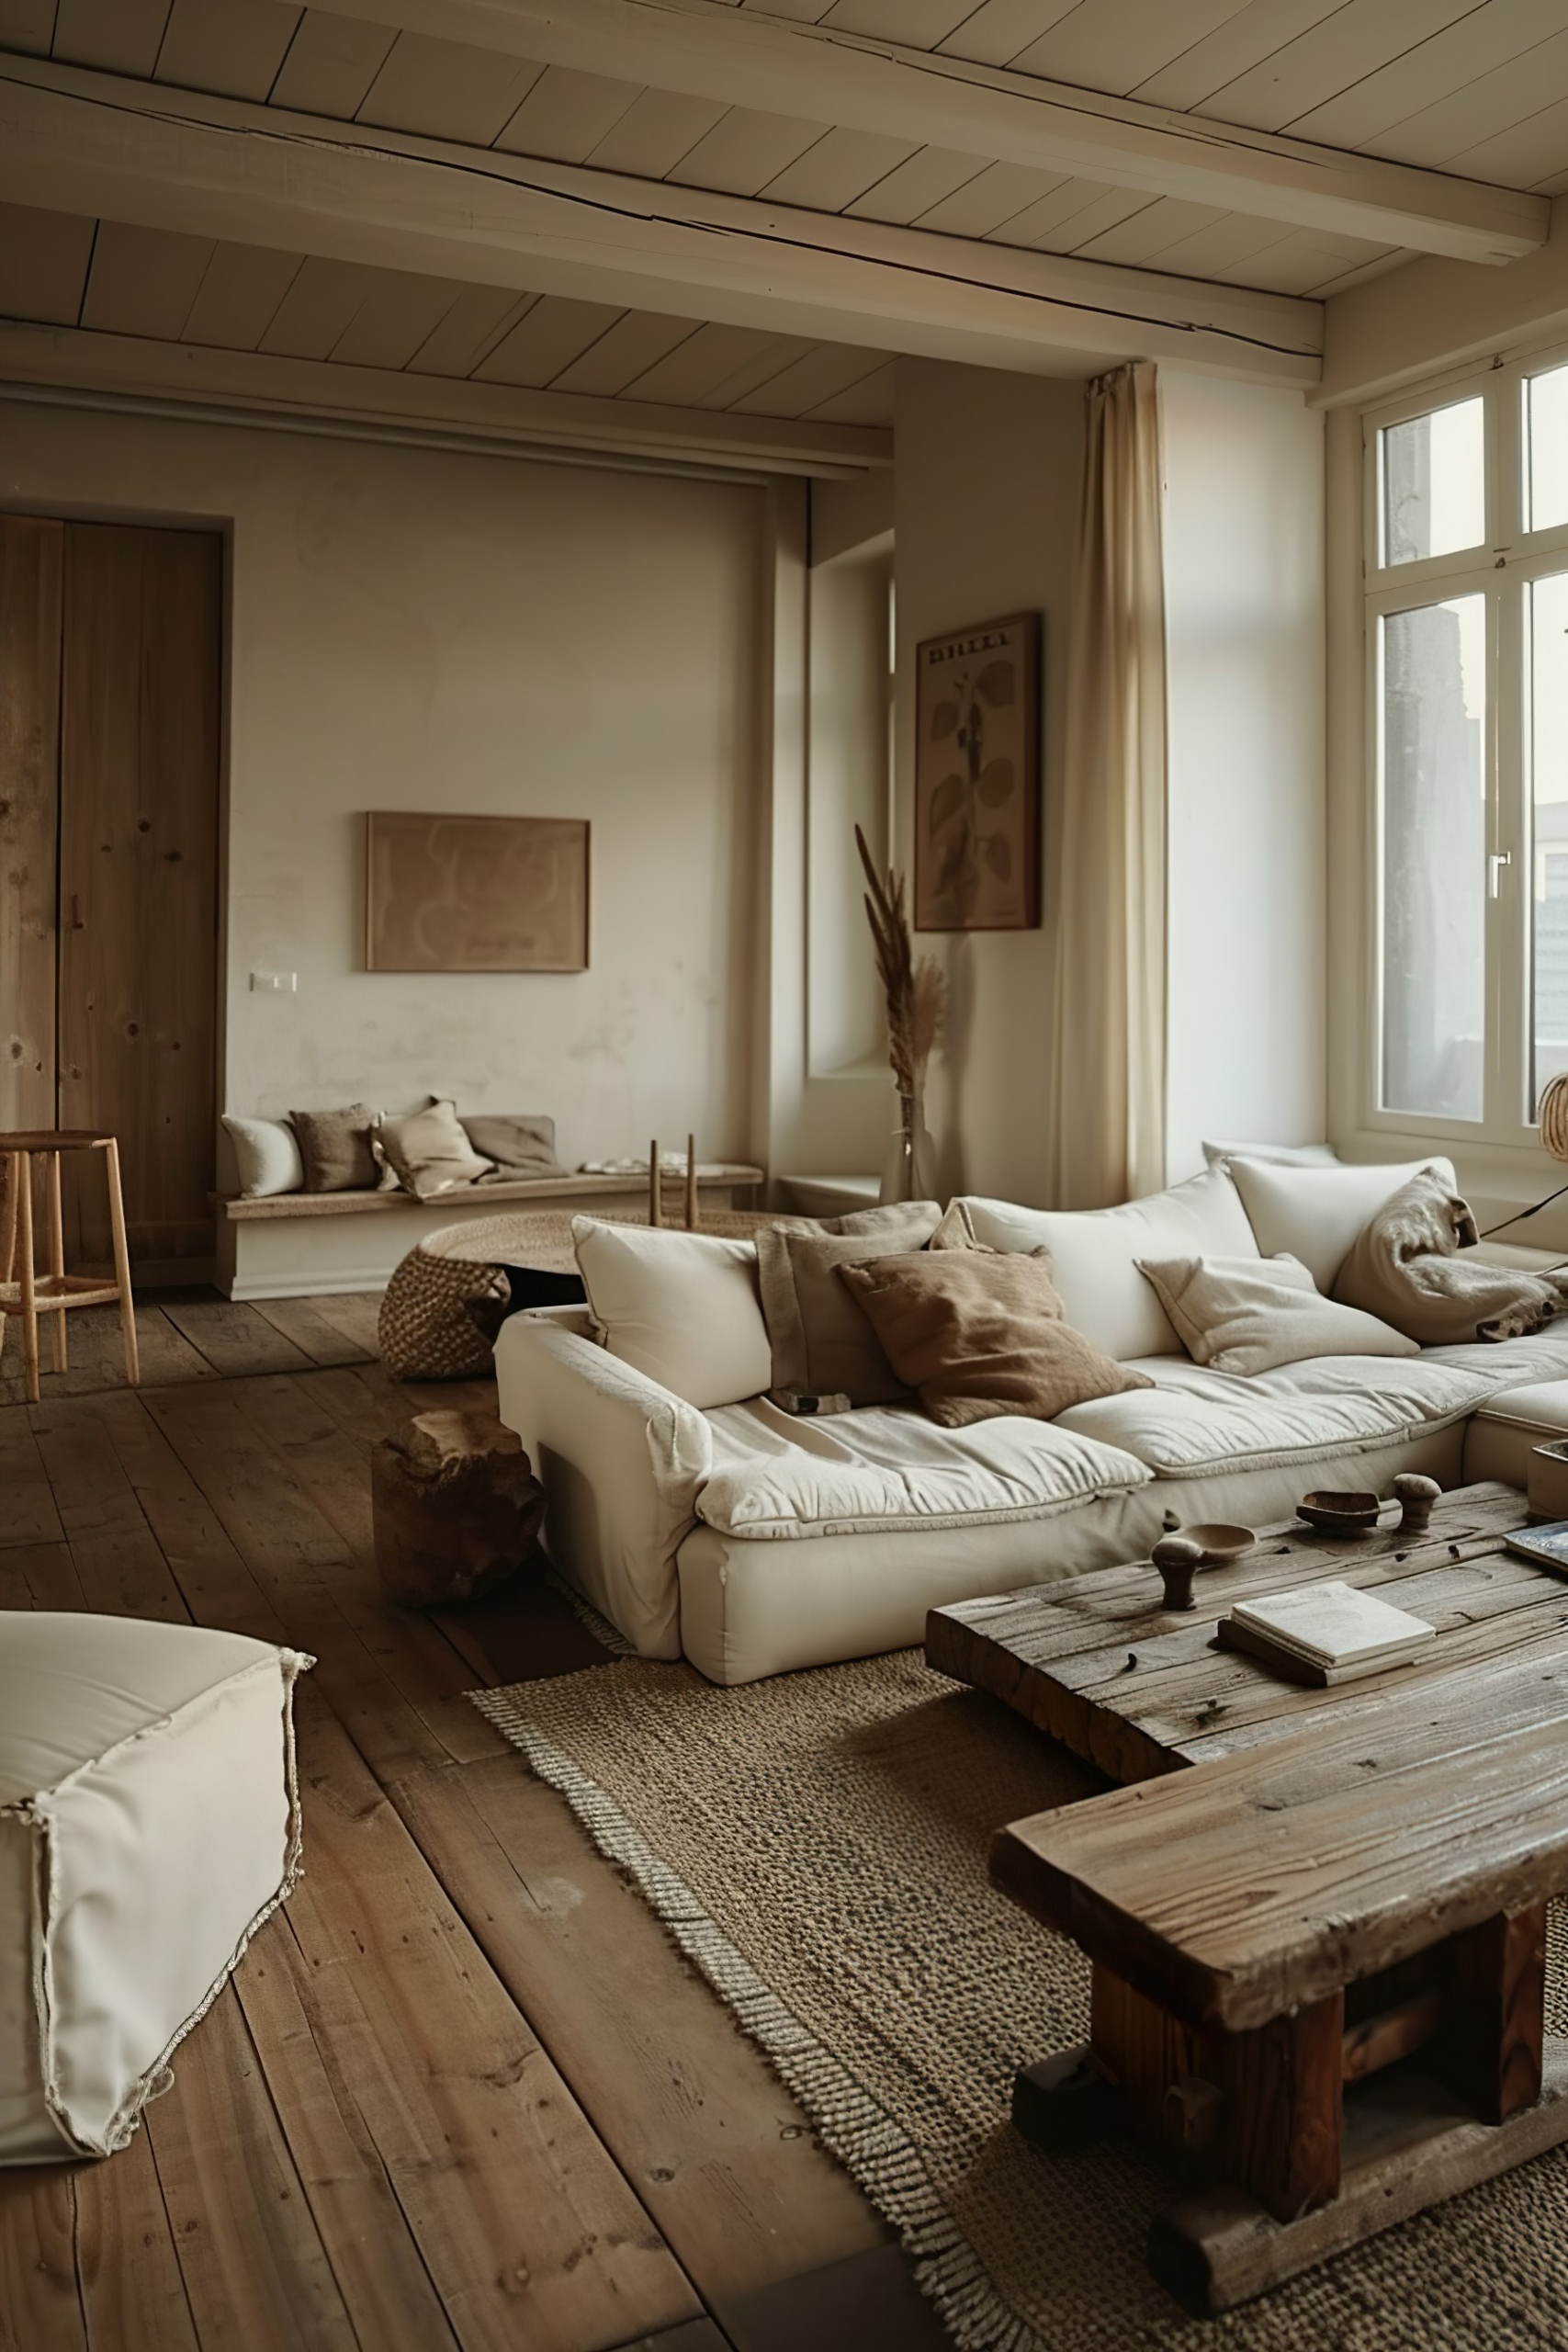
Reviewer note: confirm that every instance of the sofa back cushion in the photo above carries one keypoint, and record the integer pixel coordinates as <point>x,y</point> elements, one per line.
<point>682,1308</point>
<point>1094,1253</point>
<point>1317,1214</point>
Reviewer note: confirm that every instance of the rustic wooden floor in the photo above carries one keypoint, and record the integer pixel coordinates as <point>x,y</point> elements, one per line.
<point>462,2092</point>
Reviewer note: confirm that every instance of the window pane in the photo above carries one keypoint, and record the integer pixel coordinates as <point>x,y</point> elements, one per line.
<point>1546,448</point>
<point>1547,640</point>
<point>1434,482</point>
<point>1432,771</point>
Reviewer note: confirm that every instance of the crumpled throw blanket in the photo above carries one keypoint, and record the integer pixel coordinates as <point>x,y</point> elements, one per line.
<point>1406,1269</point>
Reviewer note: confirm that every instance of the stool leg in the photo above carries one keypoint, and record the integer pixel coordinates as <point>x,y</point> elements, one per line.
<point>22,1172</point>
<point>122,1265</point>
<point>57,1256</point>
<point>8,1221</point>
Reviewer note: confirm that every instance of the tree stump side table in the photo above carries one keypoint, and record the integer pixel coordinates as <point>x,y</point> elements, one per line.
<point>456,1508</point>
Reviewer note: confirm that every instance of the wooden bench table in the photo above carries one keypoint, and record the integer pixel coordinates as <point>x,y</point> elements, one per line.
<point>1314,1915</point>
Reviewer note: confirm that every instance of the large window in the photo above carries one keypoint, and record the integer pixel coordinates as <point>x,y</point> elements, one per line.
<point>1467,643</point>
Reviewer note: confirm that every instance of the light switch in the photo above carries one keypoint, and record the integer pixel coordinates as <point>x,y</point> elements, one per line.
<point>274,983</point>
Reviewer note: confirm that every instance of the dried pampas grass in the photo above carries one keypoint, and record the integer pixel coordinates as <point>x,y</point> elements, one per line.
<point>916,993</point>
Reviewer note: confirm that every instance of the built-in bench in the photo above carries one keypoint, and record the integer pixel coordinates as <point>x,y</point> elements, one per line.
<point>293,1244</point>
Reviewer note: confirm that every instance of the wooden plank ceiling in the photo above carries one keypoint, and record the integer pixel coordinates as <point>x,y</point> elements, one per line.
<point>59,269</point>
<point>1478,91</point>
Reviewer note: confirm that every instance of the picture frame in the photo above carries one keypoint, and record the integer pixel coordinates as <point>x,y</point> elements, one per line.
<point>978,709</point>
<point>445,893</point>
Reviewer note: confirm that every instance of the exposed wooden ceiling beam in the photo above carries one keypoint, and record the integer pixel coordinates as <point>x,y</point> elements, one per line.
<point>94,142</point>
<point>506,414</point>
<point>742,57</point>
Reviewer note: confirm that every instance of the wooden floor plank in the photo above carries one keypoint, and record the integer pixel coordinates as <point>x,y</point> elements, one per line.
<point>314,1329</point>
<point>39,1575</point>
<point>255,2268</point>
<point>96,1353</point>
<point>380,2274</point>
<point>29,1515</point>
<point>529,2231</point>
<point>118,1557</point>
<point>132,2289</point>
<point>718,2150</point>
<point>236,1337</point>
<point>40,2302</point>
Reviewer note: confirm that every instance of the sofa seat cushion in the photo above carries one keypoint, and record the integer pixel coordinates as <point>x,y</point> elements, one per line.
<point>774,1475</point>
<point>1195,1422</point>
<point>149,1822</point>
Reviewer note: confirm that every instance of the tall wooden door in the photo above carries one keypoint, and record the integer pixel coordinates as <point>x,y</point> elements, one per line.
<point>140,672</point>
<point>31,560</point>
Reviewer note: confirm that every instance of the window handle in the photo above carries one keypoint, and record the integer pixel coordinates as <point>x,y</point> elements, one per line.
<point>1498,859</point>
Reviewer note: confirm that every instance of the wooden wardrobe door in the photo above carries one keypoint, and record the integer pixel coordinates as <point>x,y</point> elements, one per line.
<point>140,692</point>
<point>30,559</point>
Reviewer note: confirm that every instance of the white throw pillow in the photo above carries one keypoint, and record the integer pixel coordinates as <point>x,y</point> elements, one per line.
<point>682,1307</point>
<point>1095,1253</point>
<point>1317,1214</point>
<point>266,1154</point>
<point>1246,1315</point>
<point>1279,1155</point>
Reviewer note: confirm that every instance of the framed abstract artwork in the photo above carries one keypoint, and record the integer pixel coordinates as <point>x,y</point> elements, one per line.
<point>475,894</point>
<point>977,777</point>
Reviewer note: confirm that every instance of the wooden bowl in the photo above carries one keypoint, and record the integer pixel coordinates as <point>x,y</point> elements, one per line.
<point>1339,1514</point>
<point>1219,1544</point>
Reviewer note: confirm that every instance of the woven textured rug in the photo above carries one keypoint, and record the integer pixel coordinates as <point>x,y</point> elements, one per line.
<point>816,1846</point>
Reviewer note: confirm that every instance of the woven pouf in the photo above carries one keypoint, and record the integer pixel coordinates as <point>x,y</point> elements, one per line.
<point>425,1329</point>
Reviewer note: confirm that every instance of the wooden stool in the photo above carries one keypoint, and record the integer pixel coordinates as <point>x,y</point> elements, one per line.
<point>454,1505</point>
<point>23,1290</point>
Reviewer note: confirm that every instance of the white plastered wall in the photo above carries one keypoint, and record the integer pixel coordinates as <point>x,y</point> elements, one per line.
<point>1243,559</point>
<point>418,630</point>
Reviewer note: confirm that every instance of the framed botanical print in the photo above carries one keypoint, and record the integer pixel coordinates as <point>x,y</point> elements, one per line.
<point>475,894</point>
<point>977,777</point>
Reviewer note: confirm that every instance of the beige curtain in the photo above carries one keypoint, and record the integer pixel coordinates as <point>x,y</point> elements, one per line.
<point>1107,1034</point>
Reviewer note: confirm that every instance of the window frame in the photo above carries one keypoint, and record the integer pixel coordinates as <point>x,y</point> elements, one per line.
<point>1500,567</point>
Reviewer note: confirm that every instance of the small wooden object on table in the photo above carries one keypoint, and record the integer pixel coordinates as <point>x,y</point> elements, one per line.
<point>456,1508</point>
<point>26,1292</point>
<point>1318,1973</point>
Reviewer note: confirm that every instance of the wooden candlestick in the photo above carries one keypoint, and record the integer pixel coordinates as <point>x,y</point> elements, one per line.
<point>1178,1560</point>
<point>655,1204</point>
<point>692,1219</point>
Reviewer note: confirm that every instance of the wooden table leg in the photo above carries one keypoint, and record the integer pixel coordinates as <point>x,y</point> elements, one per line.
<point>22,1176</point>
<point>57,1256</point>
<point>1489,2048</point>
<point>122,1264</point>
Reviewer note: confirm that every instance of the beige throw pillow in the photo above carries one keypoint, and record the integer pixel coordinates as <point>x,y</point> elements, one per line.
<point>980,1335</point>
<point>334,1148</point>
<point>682,1308</point>
<point>822,1344</point>
<point>429,1151</point>
<point>1249,1315</point>
<point>521,1144</point>
<point>1316,1213</point>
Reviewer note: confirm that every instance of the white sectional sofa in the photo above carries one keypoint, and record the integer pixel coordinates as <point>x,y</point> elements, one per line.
<point>752,1542</point>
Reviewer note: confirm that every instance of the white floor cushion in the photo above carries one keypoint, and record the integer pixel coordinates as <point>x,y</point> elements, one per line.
<point>149,1822</point>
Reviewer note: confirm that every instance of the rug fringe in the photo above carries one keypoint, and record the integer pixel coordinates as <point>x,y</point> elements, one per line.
<point>863,2137</point>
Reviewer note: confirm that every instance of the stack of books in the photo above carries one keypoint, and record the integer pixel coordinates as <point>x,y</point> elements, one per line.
<point>1325,1633</point>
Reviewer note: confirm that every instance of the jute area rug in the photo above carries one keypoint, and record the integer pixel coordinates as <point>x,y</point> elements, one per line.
<point>817,1847</point>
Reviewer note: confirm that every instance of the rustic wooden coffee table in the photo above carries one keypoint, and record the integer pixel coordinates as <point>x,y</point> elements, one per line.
<point>1317,1928</point>
<point>1135,1690</point>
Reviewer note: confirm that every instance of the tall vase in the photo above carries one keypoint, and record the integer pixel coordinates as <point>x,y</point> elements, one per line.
<point>909,1171</point>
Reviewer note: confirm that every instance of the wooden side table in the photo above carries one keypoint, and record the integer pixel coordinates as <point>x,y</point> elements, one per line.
<point>26,1292</point>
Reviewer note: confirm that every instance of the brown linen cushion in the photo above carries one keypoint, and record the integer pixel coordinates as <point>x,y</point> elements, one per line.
<point>979,1334</point>
<point>1407,1267</point>
<point>334,1148</point>
<point>520,1144</point>
<point>822,1345</point>
<point>429,1151</point>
